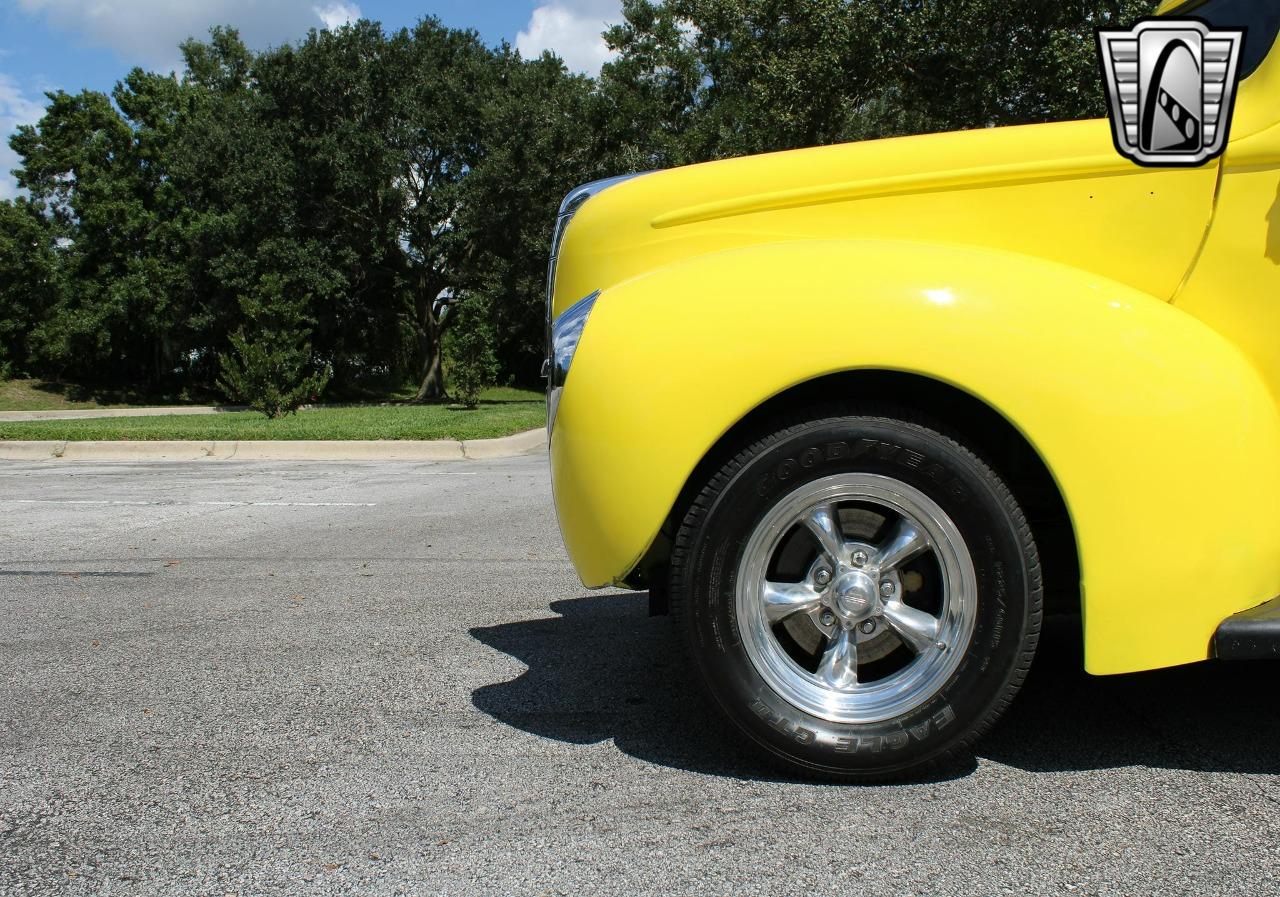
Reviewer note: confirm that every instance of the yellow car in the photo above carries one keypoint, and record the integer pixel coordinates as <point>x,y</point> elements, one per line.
<point>856,414</point>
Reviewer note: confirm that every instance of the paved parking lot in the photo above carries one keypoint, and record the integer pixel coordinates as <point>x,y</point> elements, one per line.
<point>379,679</point>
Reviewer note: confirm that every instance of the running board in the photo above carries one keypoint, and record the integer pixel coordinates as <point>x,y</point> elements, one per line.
<point>1251,635</point>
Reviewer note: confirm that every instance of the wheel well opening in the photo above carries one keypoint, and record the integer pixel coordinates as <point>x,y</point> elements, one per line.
<point>982,429</point>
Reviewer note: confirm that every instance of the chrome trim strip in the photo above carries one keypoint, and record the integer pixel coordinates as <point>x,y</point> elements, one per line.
<point>565,336</point>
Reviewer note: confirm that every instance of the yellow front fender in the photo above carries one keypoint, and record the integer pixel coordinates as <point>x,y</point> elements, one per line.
<point>1161,436</point>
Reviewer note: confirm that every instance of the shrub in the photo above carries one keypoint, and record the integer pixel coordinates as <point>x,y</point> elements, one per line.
<point>270,367</point>
<point>472,363</point>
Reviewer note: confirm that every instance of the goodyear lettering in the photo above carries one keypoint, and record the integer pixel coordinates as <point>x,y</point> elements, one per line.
<point>788,468</point>
<point>863,447</point>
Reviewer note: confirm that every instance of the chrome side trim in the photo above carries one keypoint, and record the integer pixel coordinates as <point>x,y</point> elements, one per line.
<point>565,335</point>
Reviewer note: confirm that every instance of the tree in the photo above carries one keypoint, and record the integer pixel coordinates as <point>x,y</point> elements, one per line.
<point>979,63</point>
<point>101,170</point>
<point>233,176</point>
<point>730,77</point>
<point>655,90</point>
<point>30,280</point>
<point>442,78</point>
<point>540,137</point>
<point>330,103</point>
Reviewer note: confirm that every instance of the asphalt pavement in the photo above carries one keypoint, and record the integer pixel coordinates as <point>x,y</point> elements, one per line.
<point>306,678</point>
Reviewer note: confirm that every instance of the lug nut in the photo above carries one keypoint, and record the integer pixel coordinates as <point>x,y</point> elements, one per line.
<point>886,588</point>
<point>822,577</point>
<point>827,618</point>
<point>859,558</point>
<point>868,627</point>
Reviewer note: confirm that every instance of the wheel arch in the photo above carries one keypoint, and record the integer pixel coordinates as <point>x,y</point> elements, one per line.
<point>957,412</point>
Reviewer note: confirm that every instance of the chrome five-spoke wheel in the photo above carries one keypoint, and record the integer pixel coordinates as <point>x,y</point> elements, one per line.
<point>856,597</point>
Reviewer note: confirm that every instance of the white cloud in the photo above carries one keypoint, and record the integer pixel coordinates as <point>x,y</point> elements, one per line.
<point>16,108</point>
<point>572,30</point>
<point>147,32</point>
<point>335,15</point>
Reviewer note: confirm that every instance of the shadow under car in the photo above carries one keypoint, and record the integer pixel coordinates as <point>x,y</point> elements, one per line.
<point>602,669</point>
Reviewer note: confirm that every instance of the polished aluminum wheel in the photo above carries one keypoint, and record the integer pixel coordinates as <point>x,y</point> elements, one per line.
<point>856,598</point>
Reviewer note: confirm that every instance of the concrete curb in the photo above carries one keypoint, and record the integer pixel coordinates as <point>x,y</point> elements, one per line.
<point>529,443</point>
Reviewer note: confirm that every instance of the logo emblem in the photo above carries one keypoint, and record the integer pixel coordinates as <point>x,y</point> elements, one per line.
<point>1171,84</point>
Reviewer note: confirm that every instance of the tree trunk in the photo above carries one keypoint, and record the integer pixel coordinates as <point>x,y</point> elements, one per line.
<point>430,350</point>
<point>431,387</point>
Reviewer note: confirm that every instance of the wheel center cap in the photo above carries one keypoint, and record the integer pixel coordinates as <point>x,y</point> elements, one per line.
<point>855,596</point>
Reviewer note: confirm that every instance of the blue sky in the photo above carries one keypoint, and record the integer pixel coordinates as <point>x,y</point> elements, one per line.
<point>74,44</point>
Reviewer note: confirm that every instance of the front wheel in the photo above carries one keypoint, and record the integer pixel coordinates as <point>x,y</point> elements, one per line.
<point>859,593</point>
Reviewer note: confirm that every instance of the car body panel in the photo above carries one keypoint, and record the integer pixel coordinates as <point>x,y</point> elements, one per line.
<point>1052,191</point>
<point>1235,283</point>
<point>1123,319</point>
<point>1139,393</point>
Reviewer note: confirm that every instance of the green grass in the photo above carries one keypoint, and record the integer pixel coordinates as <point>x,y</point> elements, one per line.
<point>502,412</point>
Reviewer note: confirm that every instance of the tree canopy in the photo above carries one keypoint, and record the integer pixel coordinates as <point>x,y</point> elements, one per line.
<point>377,206</point>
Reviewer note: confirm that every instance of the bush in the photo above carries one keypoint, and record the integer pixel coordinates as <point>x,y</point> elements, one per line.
<point>472,363</point>
<point>270,368</point>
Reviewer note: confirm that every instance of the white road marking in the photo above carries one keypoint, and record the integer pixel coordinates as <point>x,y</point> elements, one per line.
<point>202,504</point>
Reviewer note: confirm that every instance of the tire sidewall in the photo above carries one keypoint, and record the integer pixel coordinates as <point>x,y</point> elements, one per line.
<point>968,493</point>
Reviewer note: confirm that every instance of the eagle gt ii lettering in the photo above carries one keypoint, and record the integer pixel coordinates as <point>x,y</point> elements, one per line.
<point>857,415</point>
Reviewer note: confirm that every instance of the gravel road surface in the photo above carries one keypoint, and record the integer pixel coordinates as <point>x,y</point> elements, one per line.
<point>288,678</point>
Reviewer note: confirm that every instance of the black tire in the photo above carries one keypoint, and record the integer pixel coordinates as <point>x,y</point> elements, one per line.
<point>713,536</point>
